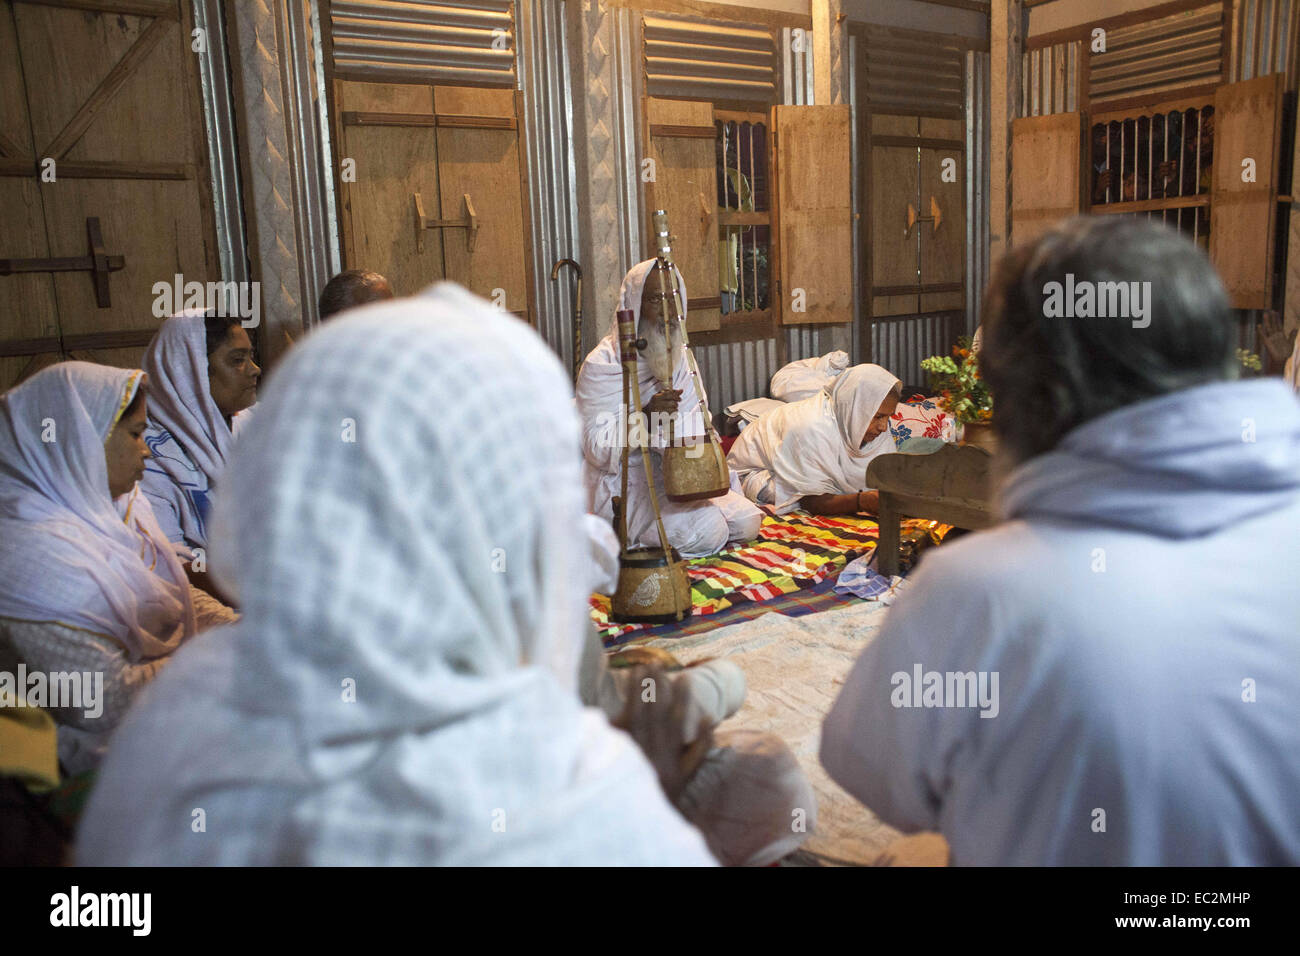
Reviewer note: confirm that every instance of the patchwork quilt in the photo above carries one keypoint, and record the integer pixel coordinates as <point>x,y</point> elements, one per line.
<point>793,553</point>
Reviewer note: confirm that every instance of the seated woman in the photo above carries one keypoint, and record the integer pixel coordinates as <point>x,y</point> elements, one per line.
<point>813,454</point>
<point>402,687</point>
<point>201,379</point>
<point>88,582</point>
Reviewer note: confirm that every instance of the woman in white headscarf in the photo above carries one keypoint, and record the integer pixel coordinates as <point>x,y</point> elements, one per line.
<point>402,687</point>
<point>694,528</point>
<point>88,582</point>
<point>813,454</point>
<point>202,378</point>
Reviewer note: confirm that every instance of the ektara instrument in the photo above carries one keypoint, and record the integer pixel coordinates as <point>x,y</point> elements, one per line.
<point>652,583</point>
<point>694,467</point>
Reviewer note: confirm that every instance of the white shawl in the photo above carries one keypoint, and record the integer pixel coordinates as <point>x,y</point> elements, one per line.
<point>804,378</point>
<point>187,436</point>
<point>813,447</point>
<point>402,687</point>
<point>69,553</point>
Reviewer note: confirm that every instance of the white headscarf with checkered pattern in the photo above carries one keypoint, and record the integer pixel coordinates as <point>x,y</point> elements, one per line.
<point>401,523</point>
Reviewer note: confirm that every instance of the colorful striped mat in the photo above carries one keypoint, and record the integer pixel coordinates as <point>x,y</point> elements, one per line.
<point>793,555</point>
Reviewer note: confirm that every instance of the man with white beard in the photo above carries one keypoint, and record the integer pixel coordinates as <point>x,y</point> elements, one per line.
<point>694,528</point>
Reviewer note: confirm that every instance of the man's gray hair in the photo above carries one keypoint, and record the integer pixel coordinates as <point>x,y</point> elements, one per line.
<point>1049,373</point>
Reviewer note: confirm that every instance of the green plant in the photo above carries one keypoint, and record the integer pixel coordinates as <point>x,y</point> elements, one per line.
<point>956,380</point>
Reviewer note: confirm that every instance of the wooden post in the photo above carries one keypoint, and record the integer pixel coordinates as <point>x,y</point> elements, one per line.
<point>1291,300</point>
<point>889,536</point>
<point>822,38</point>
<point>1006,47</point>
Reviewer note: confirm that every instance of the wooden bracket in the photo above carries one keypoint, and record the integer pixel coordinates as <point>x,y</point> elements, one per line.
<point>422,222</point>
<point>99,263</point>
<point>936,217</point>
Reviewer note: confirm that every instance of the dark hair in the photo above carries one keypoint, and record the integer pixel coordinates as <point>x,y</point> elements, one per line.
<point>217,327</point>
<point>1049,373</point>
<point>352,288</point>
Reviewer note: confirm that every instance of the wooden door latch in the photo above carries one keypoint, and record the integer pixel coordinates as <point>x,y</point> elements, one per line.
<point>936,217</point>
<point>422,222</point>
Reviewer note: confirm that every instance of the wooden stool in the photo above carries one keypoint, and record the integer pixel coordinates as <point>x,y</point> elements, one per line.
<point>951,485</point>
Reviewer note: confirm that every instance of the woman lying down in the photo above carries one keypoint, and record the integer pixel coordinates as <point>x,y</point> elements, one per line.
<point>813,454</point>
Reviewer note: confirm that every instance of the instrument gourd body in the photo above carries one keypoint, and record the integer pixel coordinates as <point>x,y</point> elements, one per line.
<point>694,467</point>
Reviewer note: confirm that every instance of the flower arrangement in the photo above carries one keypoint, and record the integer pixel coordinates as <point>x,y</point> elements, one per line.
<point>957,381</point>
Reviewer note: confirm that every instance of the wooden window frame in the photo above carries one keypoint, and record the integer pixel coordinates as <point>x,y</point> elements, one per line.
<point>1145,111</point>
<point>751,318</point>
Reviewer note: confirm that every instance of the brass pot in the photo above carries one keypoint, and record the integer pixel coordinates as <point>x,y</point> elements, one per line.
<point>980,434</point>
<point>651,589</point>
<point>695,471</point>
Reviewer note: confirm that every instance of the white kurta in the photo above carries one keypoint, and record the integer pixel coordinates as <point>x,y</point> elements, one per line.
<point>1139,611</point>
<point>694,528</point>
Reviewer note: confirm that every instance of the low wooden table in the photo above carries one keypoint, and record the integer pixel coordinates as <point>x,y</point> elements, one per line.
<point>951,485</point>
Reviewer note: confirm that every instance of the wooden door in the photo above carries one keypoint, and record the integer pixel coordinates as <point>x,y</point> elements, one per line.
<point>400,141</point>
<point>682,139</point>
<point>1046,173</point>
<point>1243,192</point>
<point>943,195</point>
<point>109,92</point>
<point>895,183</point>
<point>814,213</point>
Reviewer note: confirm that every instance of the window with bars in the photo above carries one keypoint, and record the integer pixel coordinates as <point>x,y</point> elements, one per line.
<point>1159,165</point>
<point>744,212</point>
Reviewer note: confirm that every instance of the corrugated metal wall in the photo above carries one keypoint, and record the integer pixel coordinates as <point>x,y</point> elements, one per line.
<point>1266,39</point>
<point>733,373</point>
<point>913,76</point>
<point>1049,77</point>
<point>977,184</point>
<point>720,61</point>
<point>1159,56</point>
<point>451,41</point>
<point>742,370</point>
<point>901,345</point>
<point>548,119</point>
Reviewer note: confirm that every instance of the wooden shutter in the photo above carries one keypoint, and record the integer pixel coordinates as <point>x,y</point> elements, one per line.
<point>943,246</point>
<point>1046,167</point>
<point>113,98</point>
<point>478,154</point>
<point>683,145</point>
<point>895,182</point>
<point>814,214</point>
<point>441,143</point>
<point>1247,124</point>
